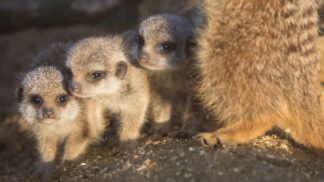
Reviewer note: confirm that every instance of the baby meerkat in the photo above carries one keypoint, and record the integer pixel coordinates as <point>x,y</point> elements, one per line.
<point>61,123</point>
<point>103,70</point>
<point>258,62</point>
<point>166,55</point>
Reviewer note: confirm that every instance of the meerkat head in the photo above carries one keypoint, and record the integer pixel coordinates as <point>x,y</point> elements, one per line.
<point>165,41</point>
<point>43,97</point>
<point>100,64</point>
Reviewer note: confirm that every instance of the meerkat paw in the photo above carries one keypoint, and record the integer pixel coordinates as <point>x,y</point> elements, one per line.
<point>216,139</point>
<point>186,133</point>
<point>160,130</point>
<point>208,139</point>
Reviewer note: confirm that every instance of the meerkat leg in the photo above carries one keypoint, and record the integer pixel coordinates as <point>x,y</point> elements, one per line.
<point>75,146</point>
<point>190,120</point>
<point>306,130</point>
<point>237,133</point>
<point>96,121</point>
<point>131,125</point>
<point>161,113</point>
<point>48,150</point>
<point>190,126</point>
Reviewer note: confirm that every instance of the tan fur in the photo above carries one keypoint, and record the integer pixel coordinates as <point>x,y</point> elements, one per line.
<point>258,63</point>
<point>66,135</point>
<point>169,72</point>
<point>320,43</point>
<point>127,97</point>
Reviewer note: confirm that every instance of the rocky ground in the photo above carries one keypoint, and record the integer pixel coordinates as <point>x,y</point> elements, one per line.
<point>269,158</point>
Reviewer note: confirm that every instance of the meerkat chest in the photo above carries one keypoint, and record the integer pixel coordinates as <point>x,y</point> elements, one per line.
<point>59,130</point>
<point>169,86</point>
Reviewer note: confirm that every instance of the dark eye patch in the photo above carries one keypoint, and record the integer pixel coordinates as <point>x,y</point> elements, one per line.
<point>36,100</point>
<point>141,41</point>
<point>121,70</point>
<point>167,47</point>
<point>96,75</point>
<point>62,99</point>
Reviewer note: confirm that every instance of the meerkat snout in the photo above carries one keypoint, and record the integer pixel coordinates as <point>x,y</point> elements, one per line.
<point>106,60</point>
<point>163,42</point>
<point>46,106</point>
<point>144,58</point>
<point>48,113</point>
<point>74,87</point>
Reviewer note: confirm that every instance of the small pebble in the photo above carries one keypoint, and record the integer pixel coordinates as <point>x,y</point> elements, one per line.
<point>187,175</point>
<point>201,152</point>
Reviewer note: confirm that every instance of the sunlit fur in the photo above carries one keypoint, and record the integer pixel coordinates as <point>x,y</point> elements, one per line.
<point>258,61</point>
<point>90,55</point>
<point>47,82</point>
<point>127,96</point>
<point>66,135</point>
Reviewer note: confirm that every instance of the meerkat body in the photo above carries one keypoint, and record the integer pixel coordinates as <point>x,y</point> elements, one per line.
<point>258,61</point>
<point>166,56</point>
<point>102,70</point>
<point>62,124</point>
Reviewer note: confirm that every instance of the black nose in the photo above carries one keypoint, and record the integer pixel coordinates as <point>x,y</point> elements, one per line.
<point>48,113</point>
<point>75,87</point>
<point>144,58</point>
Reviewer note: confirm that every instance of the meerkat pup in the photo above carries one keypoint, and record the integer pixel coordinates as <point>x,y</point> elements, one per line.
<point>258,62</point>
<point>62,124</point>
<point>166,55</point>
<point>102,69</point>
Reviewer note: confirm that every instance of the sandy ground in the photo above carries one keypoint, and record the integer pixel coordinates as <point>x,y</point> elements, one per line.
<point>269,158</point>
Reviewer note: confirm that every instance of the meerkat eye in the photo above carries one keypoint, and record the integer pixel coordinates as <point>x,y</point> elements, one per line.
<point>167,47</point>
<point>62,99</point>
<point>36,100</point>
<point>97,75</point>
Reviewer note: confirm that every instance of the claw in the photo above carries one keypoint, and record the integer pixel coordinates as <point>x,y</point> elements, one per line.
<point>208,139</point>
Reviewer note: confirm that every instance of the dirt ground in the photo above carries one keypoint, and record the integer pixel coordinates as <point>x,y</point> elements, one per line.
<point>269,158</point>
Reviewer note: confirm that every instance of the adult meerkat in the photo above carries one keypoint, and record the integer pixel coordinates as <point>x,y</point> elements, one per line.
<point>166,55</point>
<point>62,124</point>
<point>258,60</point>
<point>103,70</point>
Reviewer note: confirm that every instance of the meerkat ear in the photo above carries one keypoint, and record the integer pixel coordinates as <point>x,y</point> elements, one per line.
<point>131,42</point>
<point>195,15</point>
<point>121,70</point>
<point>19,94</point>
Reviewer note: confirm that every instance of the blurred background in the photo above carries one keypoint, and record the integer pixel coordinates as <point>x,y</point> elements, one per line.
<point>28,26</point>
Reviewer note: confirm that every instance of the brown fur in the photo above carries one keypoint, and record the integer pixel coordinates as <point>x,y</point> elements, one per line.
<point>126,95</point>
<point>258,63</point>
<point>169,71</point>
<point>320,43</point>
<point>66,135</point>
